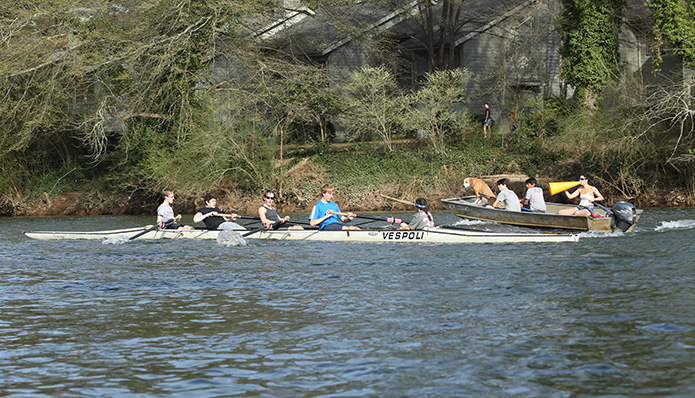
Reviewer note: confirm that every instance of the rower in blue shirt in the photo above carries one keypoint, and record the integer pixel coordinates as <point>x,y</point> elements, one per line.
<point>322,213</point>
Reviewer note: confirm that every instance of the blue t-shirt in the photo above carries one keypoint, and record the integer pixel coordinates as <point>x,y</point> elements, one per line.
<point>319,211</point>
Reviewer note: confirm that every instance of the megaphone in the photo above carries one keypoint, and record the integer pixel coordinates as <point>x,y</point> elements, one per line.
<point>557,187</point>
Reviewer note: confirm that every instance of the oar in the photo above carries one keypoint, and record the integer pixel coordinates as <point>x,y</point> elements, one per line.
<point>242,216</point>
<point>388,219</point>
<point>261,228</point>
<point>397,200</point>
<point>230,216</point>
<point>398,221</point>
<point>164,224</point>
<point>258,218</point>
<point>239,216</point>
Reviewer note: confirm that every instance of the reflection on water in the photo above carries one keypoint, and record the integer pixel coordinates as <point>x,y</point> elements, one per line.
<point>606,316</point>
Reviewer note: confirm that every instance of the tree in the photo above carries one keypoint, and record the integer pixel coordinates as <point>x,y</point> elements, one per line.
<point>85,78</point>
<point>674,22</point>
<point>433,111</point>
<point>374,103</point>
<point>441,22</point>
<point>589,30</point>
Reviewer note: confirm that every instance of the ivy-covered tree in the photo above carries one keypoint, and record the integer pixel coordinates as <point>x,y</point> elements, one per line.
<point>674,23</point>
<point>589,30</point>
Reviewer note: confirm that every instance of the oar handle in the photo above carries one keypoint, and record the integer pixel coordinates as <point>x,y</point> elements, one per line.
<point>388,219</point>
<point>342,214</point>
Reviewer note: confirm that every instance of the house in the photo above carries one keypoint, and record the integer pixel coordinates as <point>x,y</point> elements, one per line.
<point>509,47</point>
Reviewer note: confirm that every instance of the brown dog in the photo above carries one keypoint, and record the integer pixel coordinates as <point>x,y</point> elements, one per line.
<point>479,186</point>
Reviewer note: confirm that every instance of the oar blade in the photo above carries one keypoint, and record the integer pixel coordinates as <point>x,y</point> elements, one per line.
<point>231,238</point>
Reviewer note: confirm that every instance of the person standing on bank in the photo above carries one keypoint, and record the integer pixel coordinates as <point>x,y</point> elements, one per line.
<point>165,212</point>
<point>533,201</point>
<point>209,215</point>
<point>488,121</point>
<point>587,196</point>
<point>515,122</point>
<point>322,213</point>
<point>422,219</point>
<point>269,215</point>
<point>507,196</point>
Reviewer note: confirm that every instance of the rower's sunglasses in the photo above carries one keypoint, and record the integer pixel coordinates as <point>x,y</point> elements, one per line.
<point>270,197</point>
<point>581,178</point>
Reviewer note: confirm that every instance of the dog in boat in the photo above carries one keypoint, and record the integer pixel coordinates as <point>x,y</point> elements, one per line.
<point>480,188</point>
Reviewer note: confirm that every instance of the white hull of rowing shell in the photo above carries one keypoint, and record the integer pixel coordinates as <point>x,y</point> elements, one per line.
<point>437,235</point>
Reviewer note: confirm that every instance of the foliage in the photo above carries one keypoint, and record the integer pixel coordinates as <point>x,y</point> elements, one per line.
<point>433,110</point>
<point>674,22</point>
<point>131,96</point>
<point>77,77</point>
<point>589,30</point>
<point>368,166</point>
<point>304,95</point>
<point>374,104</point>
<point>630,147</point>
<point>541,118</point>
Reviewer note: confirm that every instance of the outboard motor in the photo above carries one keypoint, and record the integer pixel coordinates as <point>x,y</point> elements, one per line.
<point>624,215</point>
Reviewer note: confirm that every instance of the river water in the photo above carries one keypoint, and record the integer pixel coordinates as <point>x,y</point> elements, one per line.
<point>610,315</point>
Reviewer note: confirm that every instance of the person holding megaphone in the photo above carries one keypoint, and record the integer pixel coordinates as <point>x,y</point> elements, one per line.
<point>587,196</point>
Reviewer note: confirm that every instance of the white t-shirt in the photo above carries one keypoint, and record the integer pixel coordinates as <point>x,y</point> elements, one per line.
<point>536,201</point>
<point>510,200</point>
<point>165,211</point>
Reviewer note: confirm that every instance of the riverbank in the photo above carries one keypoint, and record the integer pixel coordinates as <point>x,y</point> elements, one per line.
<point>361,174</point>
<point>231,198</point>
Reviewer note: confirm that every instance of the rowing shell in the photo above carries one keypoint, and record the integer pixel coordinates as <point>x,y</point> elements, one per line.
<point>435,235</point>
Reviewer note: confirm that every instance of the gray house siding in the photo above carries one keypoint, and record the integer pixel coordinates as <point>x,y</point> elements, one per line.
<point>514,62</point>
<point>480,58</point>
<point>512,57</point>
<point>349,57</point>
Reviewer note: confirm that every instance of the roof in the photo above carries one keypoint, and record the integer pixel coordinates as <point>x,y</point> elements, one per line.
<point>317,33</point>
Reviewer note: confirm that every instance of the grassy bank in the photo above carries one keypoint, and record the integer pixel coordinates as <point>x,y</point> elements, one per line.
<point>363,171</point>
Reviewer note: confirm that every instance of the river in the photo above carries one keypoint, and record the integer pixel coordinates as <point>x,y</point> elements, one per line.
<point>610,316</point>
